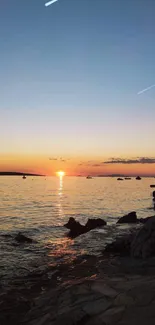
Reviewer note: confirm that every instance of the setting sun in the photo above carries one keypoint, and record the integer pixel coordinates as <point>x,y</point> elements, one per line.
<point>60,173</point>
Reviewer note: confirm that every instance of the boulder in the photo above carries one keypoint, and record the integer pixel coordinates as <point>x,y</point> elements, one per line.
<point>76,229</point>
<point>120,179</point>
<point>95,223</point>
<point>153,194</point>
<point>144,220</point>
<point>20,238</point>
<point>138,177</point>
<point>153,185</point>
<point>121,246</point>
<point>129,218</point>
<point>143,245</point>
<point>127,178</point>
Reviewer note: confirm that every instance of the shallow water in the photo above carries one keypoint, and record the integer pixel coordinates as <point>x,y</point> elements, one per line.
<point>40,206</point>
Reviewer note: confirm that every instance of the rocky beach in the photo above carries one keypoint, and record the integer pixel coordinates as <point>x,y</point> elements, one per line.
<point>116,288</point>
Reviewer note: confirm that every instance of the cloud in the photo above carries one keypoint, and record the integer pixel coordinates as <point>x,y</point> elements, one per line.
<point>59,159</point>
<point>92,163</point>
<point>140,160</point>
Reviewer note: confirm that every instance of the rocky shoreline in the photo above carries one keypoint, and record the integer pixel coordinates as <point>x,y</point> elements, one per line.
<point>113,288</point>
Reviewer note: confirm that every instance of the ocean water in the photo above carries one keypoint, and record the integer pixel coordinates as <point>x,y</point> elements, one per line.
<point>39,207</point>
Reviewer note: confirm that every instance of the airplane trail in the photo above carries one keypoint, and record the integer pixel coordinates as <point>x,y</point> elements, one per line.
<point>50,3</point>
<point>142,91</point>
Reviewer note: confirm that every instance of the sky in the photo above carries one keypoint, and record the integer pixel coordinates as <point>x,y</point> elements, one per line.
<point>69,78</point>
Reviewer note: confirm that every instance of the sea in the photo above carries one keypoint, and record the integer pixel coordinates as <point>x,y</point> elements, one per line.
<point>38,207</point>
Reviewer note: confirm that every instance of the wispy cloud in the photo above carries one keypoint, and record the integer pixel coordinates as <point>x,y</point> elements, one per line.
<point>59,159</point>
<point>141,160</point>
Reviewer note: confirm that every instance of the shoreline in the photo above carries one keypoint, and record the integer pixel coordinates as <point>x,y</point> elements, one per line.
<point>26,301</point>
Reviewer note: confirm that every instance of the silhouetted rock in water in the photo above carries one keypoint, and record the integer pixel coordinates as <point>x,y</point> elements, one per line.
<point>119,179</point>
<point>153,194</point>
<point>76,229</point>
<point>138,177</point>
<point>23,239</point>
<point>127,178</point>
<point>143,245</point>
<point>95,223</point>
<point>153,185</point>
<point>129,218</point>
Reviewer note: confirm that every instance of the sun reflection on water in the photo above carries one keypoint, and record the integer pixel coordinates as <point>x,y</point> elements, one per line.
<point>60,197</point>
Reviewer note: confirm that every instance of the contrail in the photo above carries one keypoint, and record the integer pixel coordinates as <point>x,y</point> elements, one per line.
<point>142,91</point>
<point>50,3</point>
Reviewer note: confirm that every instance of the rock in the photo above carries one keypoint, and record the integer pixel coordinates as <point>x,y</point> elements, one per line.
<point>129,218</point>
<point>119,179</point>
<point>76,229</point>
<point>95,223</point>
<point>153,194</point>
<point>121,246</point>
<point>144,220</point>
<point>153,185</point>
<point>138,177</point>
<point>143,245</point>
<point>127,178</point>
<point>23,239</point>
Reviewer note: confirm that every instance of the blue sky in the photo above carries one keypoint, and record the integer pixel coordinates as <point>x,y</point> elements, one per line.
<point>69,77</point>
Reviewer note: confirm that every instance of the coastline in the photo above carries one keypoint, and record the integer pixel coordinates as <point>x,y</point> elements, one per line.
<point>57,295</point>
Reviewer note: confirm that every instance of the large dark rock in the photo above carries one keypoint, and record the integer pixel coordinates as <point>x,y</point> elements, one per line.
<point>95,223</point>
<point>20,238</point>
<point>153,194</point>
<point>143,245</point>
<point>121,246</point>
<point>153,185</point>
<point>76,229</point>
<point>129,218</point>
<point>120,179</point>
<point>144,220</point>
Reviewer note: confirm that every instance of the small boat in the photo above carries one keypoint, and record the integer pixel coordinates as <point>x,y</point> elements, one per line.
<point>138,177</point>
<point>89,177</point>
<point>24,177</point>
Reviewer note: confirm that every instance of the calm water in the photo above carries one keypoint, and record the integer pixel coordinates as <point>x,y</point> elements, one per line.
<point>39,207</point>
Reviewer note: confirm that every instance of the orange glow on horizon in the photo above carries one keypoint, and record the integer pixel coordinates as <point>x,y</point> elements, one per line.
<point>60,173</point>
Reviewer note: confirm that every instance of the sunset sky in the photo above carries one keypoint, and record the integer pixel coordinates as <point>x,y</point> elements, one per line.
<point>69,78</point>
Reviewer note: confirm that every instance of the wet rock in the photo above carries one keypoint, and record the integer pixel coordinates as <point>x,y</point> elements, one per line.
<point>20,238</point>
<point>121,246</point>
<point>127,178</point>
<point>143,245</point>
<point>153,194</point>
<point>119,179</point>
<point>95,223</point>
<point>129,218</point>
<point>153,185</point>
<point>144,220</point>
<point>76,229</point>
<point>138,177</point>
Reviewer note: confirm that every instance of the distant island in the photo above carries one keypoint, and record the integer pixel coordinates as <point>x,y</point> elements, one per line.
<point>18,174</point>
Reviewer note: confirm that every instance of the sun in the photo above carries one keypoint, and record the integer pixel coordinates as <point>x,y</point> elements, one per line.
<point>60,173</point>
